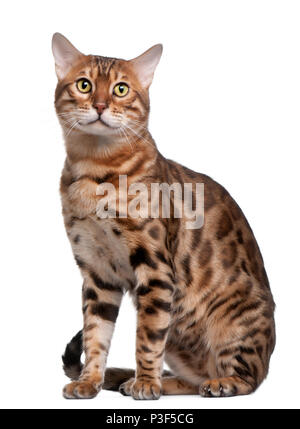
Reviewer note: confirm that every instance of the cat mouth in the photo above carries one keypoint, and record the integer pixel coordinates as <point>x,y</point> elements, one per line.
<point>101,120</point>
<point>94,121</point>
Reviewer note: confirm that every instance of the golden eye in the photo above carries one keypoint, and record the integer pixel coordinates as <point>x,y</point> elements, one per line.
<point>84,85</point>
<point>121,89</point>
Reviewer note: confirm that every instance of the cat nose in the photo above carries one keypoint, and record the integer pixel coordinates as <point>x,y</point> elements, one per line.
<point>100,107</point>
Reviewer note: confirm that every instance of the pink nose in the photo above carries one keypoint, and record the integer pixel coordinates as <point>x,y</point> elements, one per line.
<point>100,107</point>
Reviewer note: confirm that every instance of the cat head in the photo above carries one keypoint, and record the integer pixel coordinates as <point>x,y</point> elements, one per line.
<point>99,95</point>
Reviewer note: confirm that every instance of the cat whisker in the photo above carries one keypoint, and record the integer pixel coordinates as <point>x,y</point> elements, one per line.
<point>68,119</point>
<point>66,113</point>
<point>139,136</point>
<point>140,123</point>
<point>126,136</point>
<point>72,128</point>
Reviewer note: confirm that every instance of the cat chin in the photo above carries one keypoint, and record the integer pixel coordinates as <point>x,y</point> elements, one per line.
<point>98,128</point>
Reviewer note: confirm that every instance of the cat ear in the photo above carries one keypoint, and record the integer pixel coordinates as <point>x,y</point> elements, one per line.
<point>145,65</point>
<point>64,54</point>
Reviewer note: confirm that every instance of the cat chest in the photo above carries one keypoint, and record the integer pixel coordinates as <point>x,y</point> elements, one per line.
<point>98,245</point>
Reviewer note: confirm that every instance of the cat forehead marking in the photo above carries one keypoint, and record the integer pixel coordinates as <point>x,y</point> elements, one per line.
<point>104,64</point>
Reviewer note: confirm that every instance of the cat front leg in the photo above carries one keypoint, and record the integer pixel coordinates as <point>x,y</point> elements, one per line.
<point>154,296</point>
<point>103,259</point>
<point>101,302</point>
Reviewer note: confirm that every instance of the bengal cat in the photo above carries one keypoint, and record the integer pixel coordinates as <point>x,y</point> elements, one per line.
<point>202,295</point>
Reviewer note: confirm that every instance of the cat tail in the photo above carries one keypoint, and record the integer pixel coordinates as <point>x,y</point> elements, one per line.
<point>71,357</point>
<point>113,378</point>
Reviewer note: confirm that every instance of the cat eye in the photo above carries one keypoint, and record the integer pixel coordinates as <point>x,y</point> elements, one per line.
<point>121,89</point>
<point>83,85</point>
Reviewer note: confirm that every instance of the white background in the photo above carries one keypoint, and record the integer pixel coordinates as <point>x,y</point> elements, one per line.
<point>225,101</point>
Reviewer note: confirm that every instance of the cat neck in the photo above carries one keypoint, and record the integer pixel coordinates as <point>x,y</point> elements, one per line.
<point>104,150</point>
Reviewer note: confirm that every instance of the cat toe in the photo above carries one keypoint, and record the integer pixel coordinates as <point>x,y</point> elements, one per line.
<point>125,388</point>
<point>80,390</point>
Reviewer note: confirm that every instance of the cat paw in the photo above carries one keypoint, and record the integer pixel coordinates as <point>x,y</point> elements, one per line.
<point>226,386</point>
<point>141,389</point>
<point>125,388</point>
<point>81,390</point>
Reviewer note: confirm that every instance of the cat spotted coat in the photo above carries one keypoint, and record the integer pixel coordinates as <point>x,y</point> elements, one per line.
<point>203,299</point>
